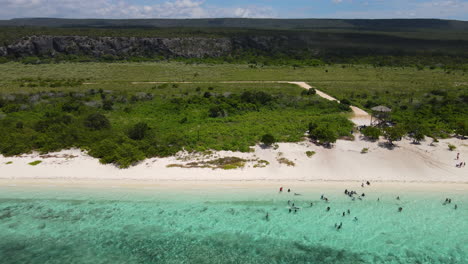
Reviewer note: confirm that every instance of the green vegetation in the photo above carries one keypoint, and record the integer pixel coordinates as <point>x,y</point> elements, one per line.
<point>268,139</point>
<point>326,130</point>
<point>394,133</point>
<point>226,163</point>
<point>9,162</point>
<point>34,163</point>
<point>310,153</point>
<point>452,147</point>
<point>364,150</point>
<point>158,120</point>
<point>122,122</point>
<point>285,161</point>
<point>371,133</point>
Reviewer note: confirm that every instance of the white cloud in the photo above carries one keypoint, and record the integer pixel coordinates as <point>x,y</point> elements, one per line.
<point>445,9</point>
<point>124,9</point>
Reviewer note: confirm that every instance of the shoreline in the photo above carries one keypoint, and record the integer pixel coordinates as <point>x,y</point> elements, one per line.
<point>344,162</point>
<point>271,185</point>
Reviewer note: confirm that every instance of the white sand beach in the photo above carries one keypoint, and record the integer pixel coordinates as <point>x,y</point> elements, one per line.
<point>407,162</point>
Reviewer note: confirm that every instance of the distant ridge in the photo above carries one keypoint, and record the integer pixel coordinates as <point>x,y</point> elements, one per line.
<point>284,24</point>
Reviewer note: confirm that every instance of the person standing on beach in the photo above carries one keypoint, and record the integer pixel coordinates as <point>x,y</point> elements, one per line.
<point>458,155</point>
<point>281,189</point>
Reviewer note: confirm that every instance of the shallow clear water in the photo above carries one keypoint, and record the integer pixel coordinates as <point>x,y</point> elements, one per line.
<point>57,225</point>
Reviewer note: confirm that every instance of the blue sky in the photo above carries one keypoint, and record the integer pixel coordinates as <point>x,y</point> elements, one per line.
<point>445,9</point>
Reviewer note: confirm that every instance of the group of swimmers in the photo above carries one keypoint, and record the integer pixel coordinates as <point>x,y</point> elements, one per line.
<point>351,194</point>
<point>449,201</point>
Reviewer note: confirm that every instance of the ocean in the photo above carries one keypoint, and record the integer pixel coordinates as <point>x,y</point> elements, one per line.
<point>229,224</point>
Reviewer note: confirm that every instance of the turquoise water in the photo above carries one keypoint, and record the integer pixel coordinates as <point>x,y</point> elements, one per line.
<point>60,225</point>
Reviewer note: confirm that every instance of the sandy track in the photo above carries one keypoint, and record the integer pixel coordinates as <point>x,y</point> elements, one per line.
<point>360,117</point>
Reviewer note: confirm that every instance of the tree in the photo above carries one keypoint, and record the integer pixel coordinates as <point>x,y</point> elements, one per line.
<point>462,128</point>
<point>372,133</point>
<point>417,136</point>
<point>97,121</point>
<point>324,135</point>
<point>268,139</point>
<point>394,134</point>
<point>138,131</point>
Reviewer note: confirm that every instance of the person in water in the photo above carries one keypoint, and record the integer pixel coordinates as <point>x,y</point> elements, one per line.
<point>368,183</point>
<point>455,207</point>
<point>344,214</point>
<point>398,197</point>
<point>328,208</point>
<point>355,218</point>
<point>349,212</point>
<point>289,190</point>
<point>267,217</point>
<point>400,209</point>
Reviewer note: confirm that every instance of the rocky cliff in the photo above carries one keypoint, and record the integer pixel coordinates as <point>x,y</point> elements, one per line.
<point>296,44</point>
<point>193,47</point>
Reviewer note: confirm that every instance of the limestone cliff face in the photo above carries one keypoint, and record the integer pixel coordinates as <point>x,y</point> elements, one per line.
<point>191,47</point>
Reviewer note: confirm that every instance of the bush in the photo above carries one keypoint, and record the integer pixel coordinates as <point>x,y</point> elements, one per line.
<point>34,163</point>
<point>452,147</point>
<point>138,131</point>
<point>268,139</point>
<point>372,133</point>
<point>345,101</point>
<point>394,133</point>
<point>310,91</point>
<point>310,153</point>
<point>324,135</point>
<point>107,105</point>
<point>97,121</point>
<point>364,150</point>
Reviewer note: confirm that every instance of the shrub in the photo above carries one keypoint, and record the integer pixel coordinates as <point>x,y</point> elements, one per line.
<point>268,139</point>
<point>216,111</point>
<point>310,153</point>
<point>283,160</point>
<point>97,121</point>
<point>310,91</point>
<point>394,133</point>
<point>452,147</point>
<point>371,132</point>
<point>324,134</point>
<point>364,150</point>
<point>138,131</point>
<point>345,102</point>
<point>34,163</point>
<point>107,105</point>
